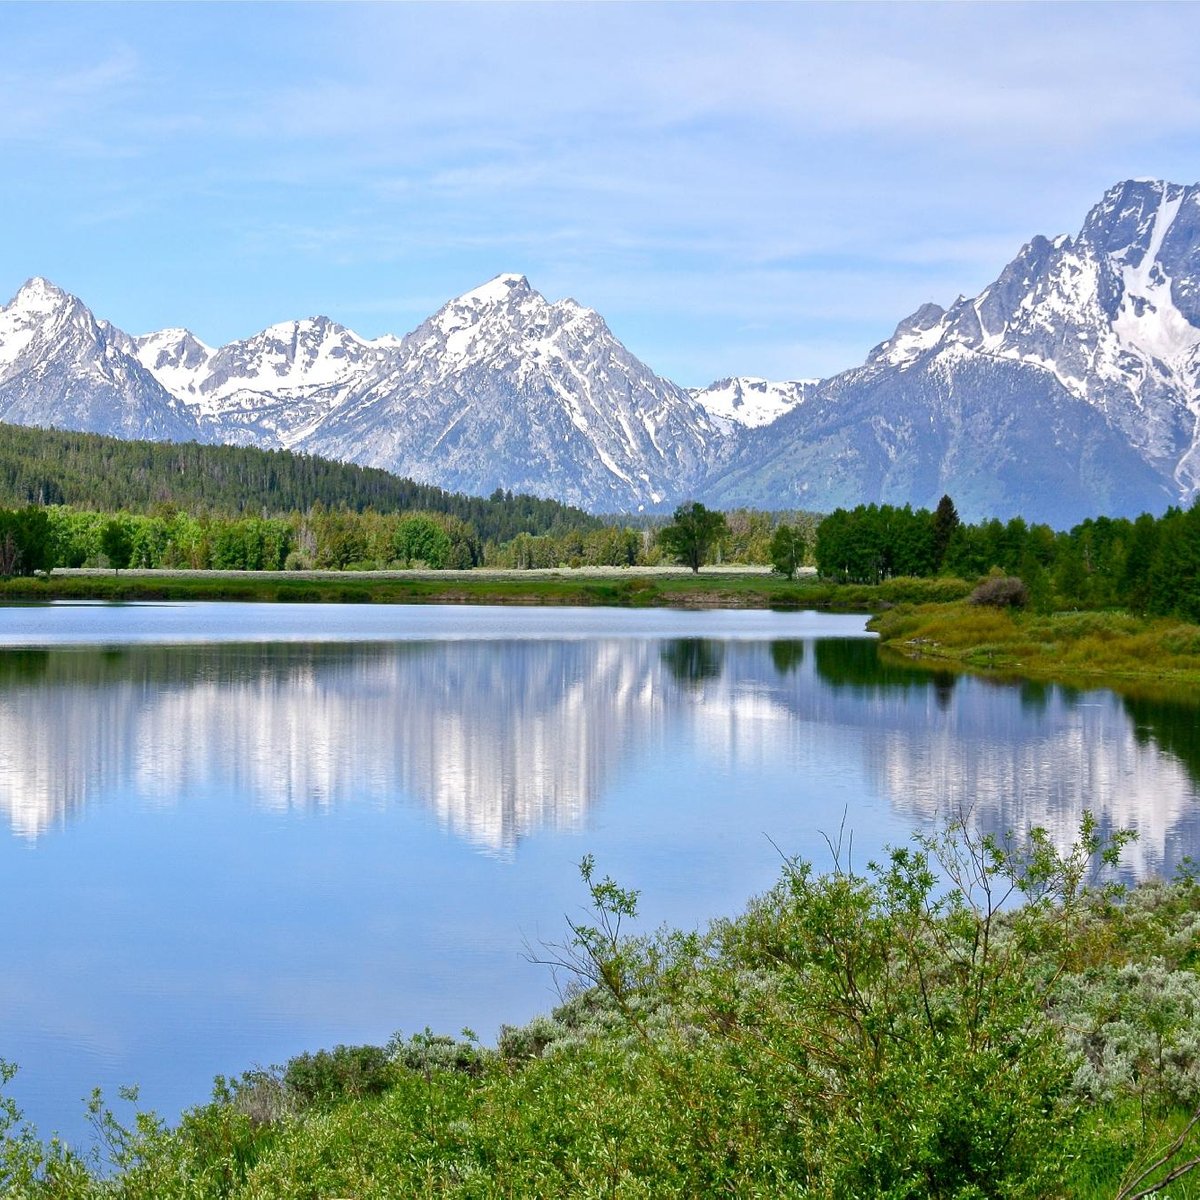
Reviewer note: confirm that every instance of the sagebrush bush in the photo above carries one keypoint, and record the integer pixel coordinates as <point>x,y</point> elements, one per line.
<point>1000,591</point>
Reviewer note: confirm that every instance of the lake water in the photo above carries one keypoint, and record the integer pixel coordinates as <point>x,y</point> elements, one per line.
<point>237,832</point>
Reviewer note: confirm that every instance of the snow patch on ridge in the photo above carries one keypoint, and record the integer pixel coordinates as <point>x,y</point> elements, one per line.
<point>750,401</point>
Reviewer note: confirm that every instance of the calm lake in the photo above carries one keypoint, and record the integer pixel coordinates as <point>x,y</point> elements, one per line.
<point>237,832</point>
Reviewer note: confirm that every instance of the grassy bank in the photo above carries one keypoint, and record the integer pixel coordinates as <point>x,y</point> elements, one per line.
<point>716,588</point>
<point>1070,647</point>
<point>923,620</point>
<point>851,1034</point>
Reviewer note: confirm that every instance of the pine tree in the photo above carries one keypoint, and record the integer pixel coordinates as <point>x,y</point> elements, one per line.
<point>945,522</point>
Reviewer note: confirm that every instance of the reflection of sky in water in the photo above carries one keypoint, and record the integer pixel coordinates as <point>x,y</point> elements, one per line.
<point>223,854</point>
<point>502,739</point>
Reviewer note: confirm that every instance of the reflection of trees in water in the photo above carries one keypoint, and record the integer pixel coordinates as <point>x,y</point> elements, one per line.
<point>224,662</point>
<point>497,738</point>
<point>787,656</point>
<point>1173,725</point>
<point>693,660</point>
<point>850,663</point>
<point>503,738</point>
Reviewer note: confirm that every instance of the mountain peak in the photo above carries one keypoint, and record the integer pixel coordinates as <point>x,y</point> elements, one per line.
<point>499,290</point>
<point>1127,212</point>
<point>39,295</point>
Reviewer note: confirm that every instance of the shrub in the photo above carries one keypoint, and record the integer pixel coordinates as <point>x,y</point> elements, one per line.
<point>344,1071</point>
<point>1000,591</point>
<point>429,1052</point>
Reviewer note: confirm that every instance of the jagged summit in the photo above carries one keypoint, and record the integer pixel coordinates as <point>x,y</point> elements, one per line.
<point>1068,386</point>
<point>1112,314</point>
<point>60,366</point>
<point>501,289</point>
<point>38,294</point>
<point>501,388</point>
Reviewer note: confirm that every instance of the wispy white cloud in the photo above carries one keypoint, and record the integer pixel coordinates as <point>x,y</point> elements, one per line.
<point>719,180</point>
<point>36,103</point>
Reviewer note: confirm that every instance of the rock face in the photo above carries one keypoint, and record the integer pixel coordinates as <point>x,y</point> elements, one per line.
<point>1068,387</point>
<point>500,388</point>
<point>60,366</point>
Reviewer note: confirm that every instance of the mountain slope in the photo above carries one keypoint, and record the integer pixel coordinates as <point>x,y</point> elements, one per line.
<point>60,366</point>
<point>501,388</point>
<point>1070,386</point>
<point>1002,438</point>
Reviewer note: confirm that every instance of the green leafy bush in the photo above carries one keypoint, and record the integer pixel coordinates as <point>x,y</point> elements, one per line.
<point>344,1071</point>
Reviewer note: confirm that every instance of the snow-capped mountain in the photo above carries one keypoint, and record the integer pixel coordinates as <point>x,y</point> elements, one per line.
<point>60,366</point>
<point>752,402</point>
<point>1113,315</point>
<point>1070,386</point>
<point>267,390</point>
<point>501,388</point>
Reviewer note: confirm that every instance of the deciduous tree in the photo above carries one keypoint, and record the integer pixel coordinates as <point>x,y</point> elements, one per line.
<point>693,534</point>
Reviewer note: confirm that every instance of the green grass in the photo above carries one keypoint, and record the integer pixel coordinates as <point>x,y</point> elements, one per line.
<point>708,589</point>
<point>1069,647</point>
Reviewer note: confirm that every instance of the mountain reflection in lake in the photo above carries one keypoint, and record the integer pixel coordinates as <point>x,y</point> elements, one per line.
<point>223,854</point>
<point>502,739</point>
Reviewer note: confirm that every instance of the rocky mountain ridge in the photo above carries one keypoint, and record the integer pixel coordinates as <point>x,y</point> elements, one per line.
<point>1069,386</point>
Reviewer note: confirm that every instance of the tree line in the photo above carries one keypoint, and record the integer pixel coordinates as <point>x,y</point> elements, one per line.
<point>47,467</point>
<point>1148,565</point>
<point>38,538</point>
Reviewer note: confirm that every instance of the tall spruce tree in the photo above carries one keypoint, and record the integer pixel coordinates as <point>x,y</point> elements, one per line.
<point>945,522</point>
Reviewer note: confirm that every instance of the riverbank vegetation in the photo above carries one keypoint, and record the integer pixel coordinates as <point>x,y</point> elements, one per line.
<point>612,588</point>
<point>1147,566</point>
<point>903,1029</point>
<point>1072,646</point>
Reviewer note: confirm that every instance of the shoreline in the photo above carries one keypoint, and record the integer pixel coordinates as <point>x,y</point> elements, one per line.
<point>1085,649</point>
<point>922,622</point>
<point>665,587</point>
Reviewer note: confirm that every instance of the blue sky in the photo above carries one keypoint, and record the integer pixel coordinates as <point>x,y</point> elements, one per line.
<point>739,189</point>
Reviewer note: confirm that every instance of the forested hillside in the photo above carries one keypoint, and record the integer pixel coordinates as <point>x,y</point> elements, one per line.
<point>83,470</point>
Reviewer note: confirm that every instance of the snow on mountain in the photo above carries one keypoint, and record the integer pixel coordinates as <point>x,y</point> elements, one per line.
<point>1112,314</point>
<point>1068,387</point>
<point>752,402</point>
<point>60,366</point>
<point>501,388</point>
<point>175,357</point>
<point>270,389</point>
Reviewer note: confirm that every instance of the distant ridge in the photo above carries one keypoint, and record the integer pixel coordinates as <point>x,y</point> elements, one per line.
<point>1069,387</point>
